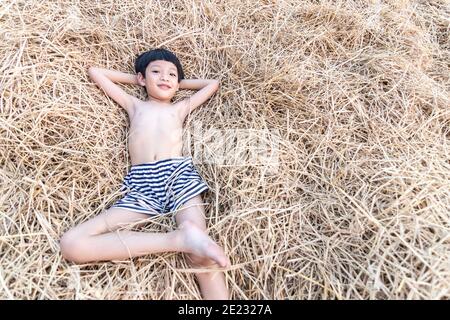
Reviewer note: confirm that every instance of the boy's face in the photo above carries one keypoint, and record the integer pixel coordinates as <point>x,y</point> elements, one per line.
<point>161,80</point>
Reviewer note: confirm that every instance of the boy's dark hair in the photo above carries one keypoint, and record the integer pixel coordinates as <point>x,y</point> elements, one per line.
<point>144,59</point>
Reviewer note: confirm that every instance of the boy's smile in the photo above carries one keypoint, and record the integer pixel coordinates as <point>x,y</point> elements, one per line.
<point>164,86</point>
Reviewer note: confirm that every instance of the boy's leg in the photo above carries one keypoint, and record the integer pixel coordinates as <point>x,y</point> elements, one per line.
<point>212,284</point>
<point>97,240</point>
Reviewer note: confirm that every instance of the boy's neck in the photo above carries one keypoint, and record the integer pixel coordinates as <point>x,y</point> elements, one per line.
<point>151,99</point>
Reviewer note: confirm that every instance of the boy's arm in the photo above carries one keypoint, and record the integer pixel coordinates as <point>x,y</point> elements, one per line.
<point>105,79</point>
<point>207,89</point>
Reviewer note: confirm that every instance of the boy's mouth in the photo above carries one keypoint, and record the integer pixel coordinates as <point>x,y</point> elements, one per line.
<point>164,86</point>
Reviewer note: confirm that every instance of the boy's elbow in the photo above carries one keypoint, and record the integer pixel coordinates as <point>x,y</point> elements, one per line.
<point>94,73</point>
<point>93,70</point>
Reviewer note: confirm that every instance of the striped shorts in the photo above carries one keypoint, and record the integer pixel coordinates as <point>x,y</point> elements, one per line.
<point>162,186</point>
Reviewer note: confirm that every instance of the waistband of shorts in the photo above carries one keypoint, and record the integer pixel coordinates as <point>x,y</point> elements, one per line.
<point>160,163</point>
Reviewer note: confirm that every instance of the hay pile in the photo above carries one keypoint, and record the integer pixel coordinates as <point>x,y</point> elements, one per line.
<point>355,91</point>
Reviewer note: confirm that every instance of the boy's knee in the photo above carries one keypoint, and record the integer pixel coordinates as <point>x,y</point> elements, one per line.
<point>73,247</point>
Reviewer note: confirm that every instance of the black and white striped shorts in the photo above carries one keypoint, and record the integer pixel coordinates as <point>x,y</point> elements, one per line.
<point>162,186</point>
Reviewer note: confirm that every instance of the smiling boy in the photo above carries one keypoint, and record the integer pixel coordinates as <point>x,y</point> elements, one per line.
<point>160,181</point>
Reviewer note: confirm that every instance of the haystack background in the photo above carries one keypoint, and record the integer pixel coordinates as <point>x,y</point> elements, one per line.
<point>358,91</point>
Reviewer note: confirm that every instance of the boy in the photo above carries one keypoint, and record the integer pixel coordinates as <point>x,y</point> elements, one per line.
<point>160,180</point>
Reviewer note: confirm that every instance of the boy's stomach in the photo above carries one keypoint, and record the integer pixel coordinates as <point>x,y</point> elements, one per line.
<point>149,146</point>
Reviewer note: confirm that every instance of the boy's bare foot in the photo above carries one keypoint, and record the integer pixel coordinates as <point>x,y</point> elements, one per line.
<point>194,240</point>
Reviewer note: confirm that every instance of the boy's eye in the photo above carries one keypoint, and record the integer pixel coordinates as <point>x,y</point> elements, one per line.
<point>172,74</point>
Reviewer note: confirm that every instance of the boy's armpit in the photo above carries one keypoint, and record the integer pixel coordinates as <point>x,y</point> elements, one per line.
<point>116,93</point>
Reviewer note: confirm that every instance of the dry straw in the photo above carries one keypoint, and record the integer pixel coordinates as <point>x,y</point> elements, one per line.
<point>357,91</point>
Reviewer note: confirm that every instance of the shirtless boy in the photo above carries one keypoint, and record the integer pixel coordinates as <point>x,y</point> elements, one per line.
<point>160,181</point>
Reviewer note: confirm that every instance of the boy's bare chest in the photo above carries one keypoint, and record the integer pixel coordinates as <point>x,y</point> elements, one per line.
<point>155,120</point>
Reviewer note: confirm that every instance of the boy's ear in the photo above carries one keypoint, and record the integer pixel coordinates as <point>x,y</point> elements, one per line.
<point>141,80</point>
